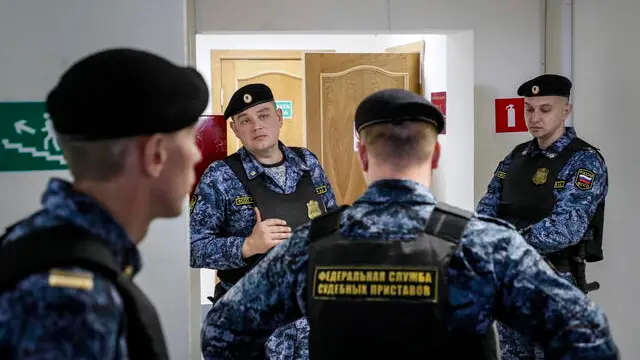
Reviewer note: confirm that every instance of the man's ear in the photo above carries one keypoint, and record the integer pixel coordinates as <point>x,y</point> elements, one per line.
<point>154,151</point>
<point>435,158</point>
<point>279,115</point>
<point>568,108</point>
<point>362,155</point>
<point>232,125</point>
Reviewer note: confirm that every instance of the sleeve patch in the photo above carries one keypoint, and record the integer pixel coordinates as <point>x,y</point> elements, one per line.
<point>584,179</point>
<point>501,174</point>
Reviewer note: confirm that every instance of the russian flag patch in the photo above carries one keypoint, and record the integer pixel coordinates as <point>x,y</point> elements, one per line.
<point>584,179</point>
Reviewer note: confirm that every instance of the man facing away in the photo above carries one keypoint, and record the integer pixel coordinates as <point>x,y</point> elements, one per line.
<point>398,275</point>
<point>248,203</point>
<point>125,120</point>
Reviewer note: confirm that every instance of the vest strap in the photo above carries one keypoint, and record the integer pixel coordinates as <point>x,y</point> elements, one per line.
<point>69,246</point>
<point>448,222</point>
<point>326,224</point>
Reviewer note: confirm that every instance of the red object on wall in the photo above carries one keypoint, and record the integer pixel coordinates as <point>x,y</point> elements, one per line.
<point>439,99</point>
<point>211,137</point>
<point>510,115</point>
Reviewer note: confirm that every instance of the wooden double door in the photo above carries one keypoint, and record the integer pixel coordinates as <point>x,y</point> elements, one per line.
<point>319,92</point>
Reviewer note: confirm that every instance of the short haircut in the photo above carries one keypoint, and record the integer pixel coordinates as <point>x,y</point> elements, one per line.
<point>95,160</point>
<point>401,145</point>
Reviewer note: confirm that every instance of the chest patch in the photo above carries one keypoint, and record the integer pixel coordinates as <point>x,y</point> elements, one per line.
<point>244,200</point>
<point>540,177</point>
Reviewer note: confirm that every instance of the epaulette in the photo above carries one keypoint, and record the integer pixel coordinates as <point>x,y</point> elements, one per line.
<point>81,280</point>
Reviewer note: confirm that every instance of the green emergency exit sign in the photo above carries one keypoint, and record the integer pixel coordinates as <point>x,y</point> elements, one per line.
<point>287,108</point>
<point>27,139</point>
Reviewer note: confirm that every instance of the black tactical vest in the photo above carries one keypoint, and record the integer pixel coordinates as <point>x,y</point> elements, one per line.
<point>296,208</point>
<point>68,246</point>
<point>527,196</point>
<point>377,299</point>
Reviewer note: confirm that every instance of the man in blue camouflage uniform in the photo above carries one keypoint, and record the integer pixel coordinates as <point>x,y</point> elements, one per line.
<point>492,273</point>
<point>553,190</point>
<point>248,203</point>
<point>130,146</point>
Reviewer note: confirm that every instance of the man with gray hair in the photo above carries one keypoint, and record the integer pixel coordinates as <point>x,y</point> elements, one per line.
<point>125,120</point>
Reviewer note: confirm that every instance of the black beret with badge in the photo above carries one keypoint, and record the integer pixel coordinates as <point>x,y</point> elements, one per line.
<point>246,97</point>
<point>396,106</point>
<point>546,85</point>
<point>122,92</point>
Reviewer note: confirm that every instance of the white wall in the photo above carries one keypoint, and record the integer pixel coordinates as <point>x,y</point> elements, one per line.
<point>607,89</point>
<point>36,49</point>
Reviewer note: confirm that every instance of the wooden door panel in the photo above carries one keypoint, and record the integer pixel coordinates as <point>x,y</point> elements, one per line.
<point>335,85</point>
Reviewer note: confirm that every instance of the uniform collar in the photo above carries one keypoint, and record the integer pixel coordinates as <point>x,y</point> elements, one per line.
<point>253,168</point>
<point>399,191</point>
<point>83,211</point>
<point>555,148</point>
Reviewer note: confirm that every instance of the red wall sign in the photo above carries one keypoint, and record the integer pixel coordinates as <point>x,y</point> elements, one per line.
<point>439,99</point>
<point>510,115</point>
<point>211,137</point>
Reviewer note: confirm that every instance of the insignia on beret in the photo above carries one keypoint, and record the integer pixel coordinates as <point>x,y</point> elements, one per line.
<point>546,85</point>
<point>246,97</point>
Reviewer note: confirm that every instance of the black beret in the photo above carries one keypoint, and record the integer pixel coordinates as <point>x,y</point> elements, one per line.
<point>546,85</point>
<point>396,106</point>
<point>247,96</point>
<point>121,92</point>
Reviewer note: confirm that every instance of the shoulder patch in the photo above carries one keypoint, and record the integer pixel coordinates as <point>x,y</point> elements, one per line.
<point>584,179</point>
<point>193,202</point>
<point>244,200</point>
<point>496,221</point>
<point>70,279</point>
<point>321,189</point>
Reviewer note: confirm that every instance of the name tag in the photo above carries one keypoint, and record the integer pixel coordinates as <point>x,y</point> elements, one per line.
<point>244,200</point>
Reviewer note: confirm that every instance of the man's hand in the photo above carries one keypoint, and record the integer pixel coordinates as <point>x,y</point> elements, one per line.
<point>265,235</point>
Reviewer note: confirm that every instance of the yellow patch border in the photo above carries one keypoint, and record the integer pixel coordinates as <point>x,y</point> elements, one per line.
<point>587,173</point>
<point>321,189</point>
<point>193,202</point>
<point>244,200</point>
<point>560,184</point>
<point>501,174</point>
<point>433,284</point>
